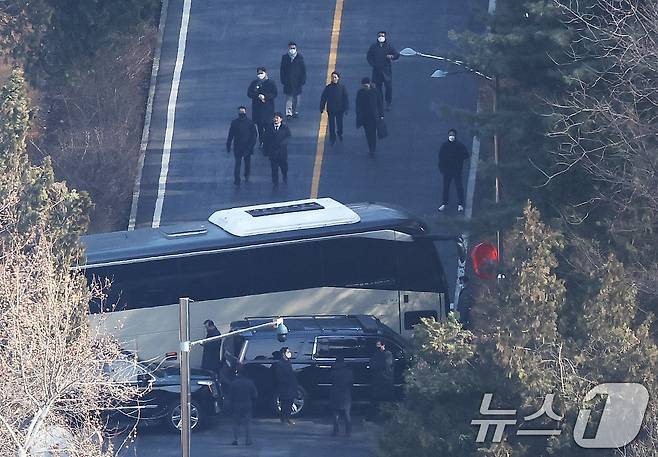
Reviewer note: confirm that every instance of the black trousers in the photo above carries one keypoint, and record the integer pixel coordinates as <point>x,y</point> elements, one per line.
<point>238,420</point>
<point>279,163</point>
<point>447,179</point>
<point>238,164</point>
<point>335,124</point>
<point>371,135</point>
<point>389,90</point>
<point>286,409</point>
<point>347,416</point>
<point>261,130</point>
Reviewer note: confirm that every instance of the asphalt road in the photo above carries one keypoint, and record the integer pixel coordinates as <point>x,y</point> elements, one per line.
<point>226,41</point>
<point>270,439</point>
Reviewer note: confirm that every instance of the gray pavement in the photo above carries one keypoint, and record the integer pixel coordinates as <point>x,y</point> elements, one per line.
<point>308,437</point>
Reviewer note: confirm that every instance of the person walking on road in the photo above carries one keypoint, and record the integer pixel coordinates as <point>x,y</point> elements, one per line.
<point>242,394</point>
<point>340,395</point>
<point>381,368</point>
<point>380,55</point>
<point>262,91</point>
<point>210,357</point>
<point>276,138</point>
<point>242,135</point>
<point>334,98</point>
<point>369,111</point>
<point>452,155</point>
<point>293,78</point>
<point>286,385</point>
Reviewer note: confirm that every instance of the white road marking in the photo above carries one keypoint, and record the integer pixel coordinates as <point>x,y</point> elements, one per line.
<point>149,111</point>
<point>171,114</point>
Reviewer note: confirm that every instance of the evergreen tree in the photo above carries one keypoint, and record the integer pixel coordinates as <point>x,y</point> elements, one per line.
<point>42,203</point>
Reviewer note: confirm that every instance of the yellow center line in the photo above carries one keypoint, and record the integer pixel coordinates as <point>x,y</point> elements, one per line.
<point>322,130</point>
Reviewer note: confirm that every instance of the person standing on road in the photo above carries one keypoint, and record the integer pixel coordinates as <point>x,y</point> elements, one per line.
<point>380,55</point>
<point>381,368</point>
<point>262,91</point>
<point>276,138</point>
<point>210,357</point>
<point>286,385</point>
<point>334,98</point>
<point>368,111</point>
<point>452,155</point>
<point>242,394</point>
<point>340,395</point>
<point>293,77</point>
<point>242,134</point>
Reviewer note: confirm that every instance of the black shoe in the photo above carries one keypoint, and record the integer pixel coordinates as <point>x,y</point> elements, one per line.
<point>236,183</point>
<point>340,136</point>
<point>332,141</point>
<point>261,145</point>
<point>285,180</point>
<point>388,107</point>
<point>246,179</point>
<point>235,443</point>
<point>275,185</point>
<point>296,115</point>
<point>288,116</point>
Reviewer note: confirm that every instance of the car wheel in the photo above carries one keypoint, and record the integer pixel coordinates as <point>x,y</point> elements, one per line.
<point>174,420</point>
<point>297,404</point>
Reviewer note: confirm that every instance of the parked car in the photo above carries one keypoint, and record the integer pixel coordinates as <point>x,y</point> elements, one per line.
<point>160,402</point>
<point>315,341</point>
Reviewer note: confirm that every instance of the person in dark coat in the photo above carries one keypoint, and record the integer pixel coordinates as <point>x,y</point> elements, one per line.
<point>262,91</point>
<point>381,369</point>
<point>242,394</point>
<point>452,155</point>
<point>242,134</point>
<point>380,55</point>
<point>276,138</point>
<point>286,384</point>
<point>210,357</point>
<point>334,98</point>
<point>340,395</point>
<point>368,111</point>
<point>293,77</point>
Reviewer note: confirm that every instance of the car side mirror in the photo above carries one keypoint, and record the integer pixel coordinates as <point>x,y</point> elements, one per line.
<point>143,380</point>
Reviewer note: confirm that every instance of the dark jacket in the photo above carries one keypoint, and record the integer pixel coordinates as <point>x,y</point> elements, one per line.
<point>369,107</point>
<point>293,74</point>
<point>451,157</point>
<point>262,112</point>
<point>381,366</point>
<point>276,141</point>
<point>381,65</point>
<point>334,97</point>
<point>342,380</point>
<point>286,381</point>
<point>243,135</point>
<point>241,395</point>
<point>210,358</point>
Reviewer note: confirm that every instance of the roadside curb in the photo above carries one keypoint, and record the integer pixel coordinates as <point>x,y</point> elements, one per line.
<point>149,111</point>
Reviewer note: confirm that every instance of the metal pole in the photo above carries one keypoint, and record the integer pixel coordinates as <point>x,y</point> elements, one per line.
<point>184,332</point>
<point>496,160</point>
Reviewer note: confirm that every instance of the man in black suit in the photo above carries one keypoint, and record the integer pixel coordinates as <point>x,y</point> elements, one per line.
<point>380,55</point>
<point>276,138</point>
<point>286,384</point>
<point>334,97</point>
<point>369,111</point>
<point>243,135</point>
<point>242,395</point>
<point>262,91</point>
<point>340,395</point>
<point>293,78</point>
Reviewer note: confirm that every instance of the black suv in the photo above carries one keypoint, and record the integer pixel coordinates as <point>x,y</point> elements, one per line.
<point>161,401</point>
<point>315,341</point>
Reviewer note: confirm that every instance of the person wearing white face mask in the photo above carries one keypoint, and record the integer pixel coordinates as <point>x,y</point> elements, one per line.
<point>380,55</point>
<point>293,77</point>
<point>452,155</point>
<point>262,91</point>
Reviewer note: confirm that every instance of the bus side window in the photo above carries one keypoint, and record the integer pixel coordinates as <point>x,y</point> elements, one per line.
<point>412,318</point>
<point>360,262</point>
<point>419,268</point>
<point>286,267</point>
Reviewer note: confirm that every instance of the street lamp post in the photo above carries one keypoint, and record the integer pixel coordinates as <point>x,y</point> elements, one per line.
<point>186,345</point>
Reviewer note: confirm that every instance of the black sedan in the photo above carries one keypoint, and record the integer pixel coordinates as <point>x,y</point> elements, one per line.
<point>160,402</point>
